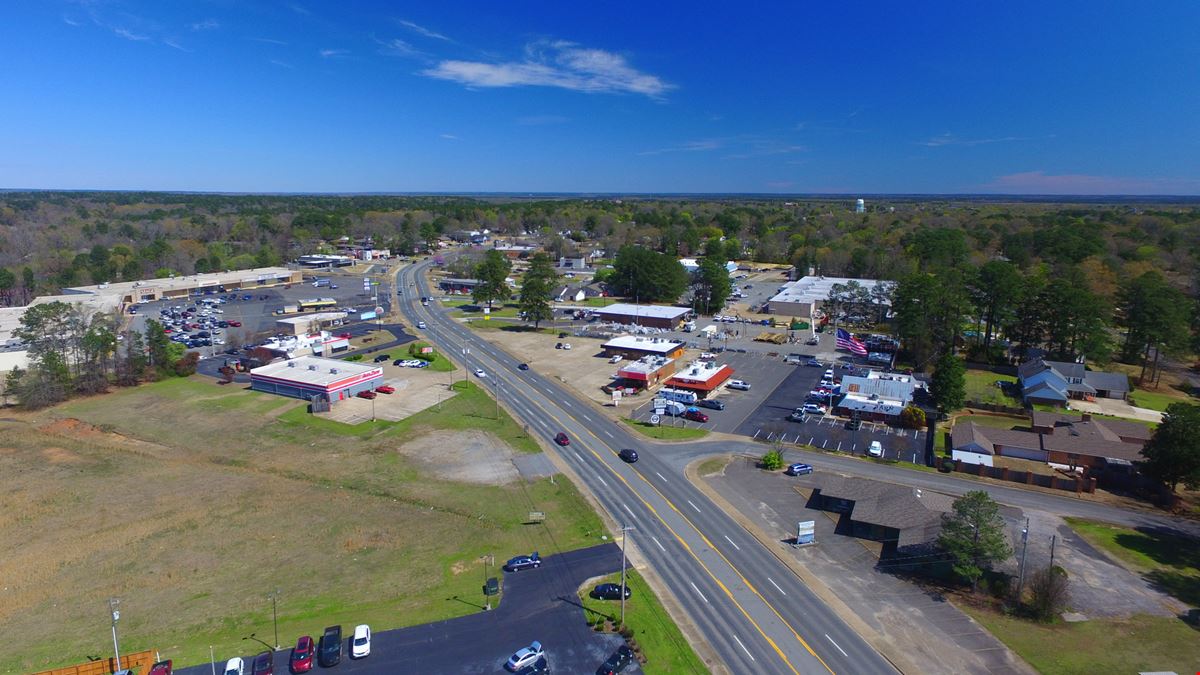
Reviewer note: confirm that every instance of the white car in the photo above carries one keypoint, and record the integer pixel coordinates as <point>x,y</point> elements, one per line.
<point>524,656</point>
<point>360,644</point>
<point>741,385</point>
<point>876,449</point>
<point>235,666</point>
<point>615,359</point>
<point>566,345</point>
<point>814,409</point>
<point>479,372</point>
<point>829,374</point>
<point>421,325</point>
<point>708,356</point>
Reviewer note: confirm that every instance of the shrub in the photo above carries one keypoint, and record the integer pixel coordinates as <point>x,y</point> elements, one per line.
<point>913,417</point>
<point>773,460</point>
<point>1048,593</point>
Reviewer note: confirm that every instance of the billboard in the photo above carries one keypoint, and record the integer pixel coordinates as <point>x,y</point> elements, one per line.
<point>368,315</point>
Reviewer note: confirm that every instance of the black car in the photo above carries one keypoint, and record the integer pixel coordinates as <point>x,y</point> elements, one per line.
<point>539,667</point>
<point>523,366</point>
<point>329,653</point>
<point>617,662</point>
<point>628,454</point>
<point>853,425</point>
<point>610,592</point>
<point>523,562</point>
<point>397,362</point>
<point>711,404</point>
<point>383,357</point>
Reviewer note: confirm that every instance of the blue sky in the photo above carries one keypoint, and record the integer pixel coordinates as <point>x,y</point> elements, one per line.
<point>803,97</point>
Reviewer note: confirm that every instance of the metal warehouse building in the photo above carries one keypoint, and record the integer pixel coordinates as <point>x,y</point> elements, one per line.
<point>656,316</point>
<point>308,376</point>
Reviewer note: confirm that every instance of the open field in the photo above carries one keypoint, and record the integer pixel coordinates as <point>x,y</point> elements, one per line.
<point>1138,644</point>
<point>191,501</point>
<point>1168,561</point>
<point>665,648</point>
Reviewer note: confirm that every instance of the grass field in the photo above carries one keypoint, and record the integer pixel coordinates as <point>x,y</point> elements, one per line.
<point>981,386</point>
<point>191,502</point>
<point>1169,561</point>
<point>665,432</point>
<point>1161,398</point>
<point>665,648</point>
<point>1138,644</point>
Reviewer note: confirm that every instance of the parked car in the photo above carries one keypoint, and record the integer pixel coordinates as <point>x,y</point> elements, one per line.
<point>876,449</point>
<point>628,454</point>
<point>524,656</point>
<point>479,372</point>
<point>360,644</point>
<point>264,664</point>
<point>235,666</point>
<point>562,439</point>
<point>329,653</point>
<point>523,562</point>
<point>616,358</point>
<point>740,385</point>
<point>813,363</point>
<point>161,668</point>
<point>796,416</point>
<point>814,409</point>
<point>695,416</point>
<point>707,356</point>
<point>367,394</point>
<point>235,324</point>
<point>398,362</point>
<point>386,389</point>
<point>302,655</point>
<point>383,357</point>
<point>610,592</point>
<point>711,404</point>
<point>853,425</point>
<point>798,469</point>
<point>616,663</point>
<point>566,345</point>
<point>814,340</point>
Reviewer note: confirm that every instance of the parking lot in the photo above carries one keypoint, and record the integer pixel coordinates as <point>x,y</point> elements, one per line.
<point>538,604</point>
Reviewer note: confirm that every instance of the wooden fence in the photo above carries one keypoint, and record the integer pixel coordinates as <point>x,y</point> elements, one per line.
<point>139,662</point>
<point>1076,485</point>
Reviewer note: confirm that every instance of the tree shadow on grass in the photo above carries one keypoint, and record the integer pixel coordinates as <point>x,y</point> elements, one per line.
<point>1171,549</point>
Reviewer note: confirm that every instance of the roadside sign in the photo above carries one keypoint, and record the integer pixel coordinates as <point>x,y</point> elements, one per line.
<point>616,397</point>
<point>487,311</point>
<point>654,419</point>
<point>806,531</point>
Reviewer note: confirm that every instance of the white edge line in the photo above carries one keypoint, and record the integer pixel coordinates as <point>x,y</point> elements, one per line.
<point>776,586</point>
<point>843,651</point>
<point>601,480</point>
<point>694,506</point>
<point>664,478</point>
<point>747,650</point>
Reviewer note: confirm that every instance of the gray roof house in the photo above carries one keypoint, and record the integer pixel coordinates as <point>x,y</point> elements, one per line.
<point>1056,382</point>
<point>905,520</point>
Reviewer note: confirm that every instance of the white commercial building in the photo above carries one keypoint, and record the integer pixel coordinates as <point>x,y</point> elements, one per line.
<point>801,297</point>
<point>308,376</point>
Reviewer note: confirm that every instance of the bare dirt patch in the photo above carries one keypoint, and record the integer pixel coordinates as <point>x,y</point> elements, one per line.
<point>56,455</point>
<point>464,456</point>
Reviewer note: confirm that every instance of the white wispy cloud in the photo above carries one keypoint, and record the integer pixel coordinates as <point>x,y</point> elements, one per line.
<point>449,137</point>
<point>281,64</point>
<point>541,120</point>
<point>421,30</point>
<point>170,42</point>
<point>333,53</point>
<point>70,21</point>
<point>945,139</point>
<point>397,47</point>
<point>687,146</point>
<point>560,64</point>
<point>207,24</point>
<point>269,41</point>
<point>300,10</point>
<point>130,35</point>
<point>739,147</point>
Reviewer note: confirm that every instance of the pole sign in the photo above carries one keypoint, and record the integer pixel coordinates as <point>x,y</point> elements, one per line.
<point>487,311</point>
<point>806,531</point>
<point>616,397</point>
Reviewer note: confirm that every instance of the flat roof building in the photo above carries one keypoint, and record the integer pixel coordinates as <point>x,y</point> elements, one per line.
<point>801,297</point>
<point>147,290</point>
<point>299,325</point>
<point>701,377</point>
<point>635,347</point>
<point>876,396</point>
<point>308,376</point>
<point>322,261</point>
<point>655,316</point>
<point>646,371</point>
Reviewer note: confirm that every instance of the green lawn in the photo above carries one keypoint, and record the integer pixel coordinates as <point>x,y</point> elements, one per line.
<point>665,432</point>
<point>600,302</point>
<point>665,648</point>
<point>1168,561</point>
<point>507,311</point>
<point>203,498</point>
<point>1159,400</point>
<point>1138,644</point>
<point>981,386</point>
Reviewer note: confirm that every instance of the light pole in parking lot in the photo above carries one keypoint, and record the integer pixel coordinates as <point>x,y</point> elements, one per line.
<point>487,599</point>
<point>274,595</point>
<point>113,603</point>
<point>625,530</point>
<point>254,637</point>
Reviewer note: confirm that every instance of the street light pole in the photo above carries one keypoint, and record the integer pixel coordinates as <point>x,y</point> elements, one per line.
<point>1024,550</point>
<point>113,603</point>
<point>275,594</point>
<point>625,530</point>
<point>487,599</point>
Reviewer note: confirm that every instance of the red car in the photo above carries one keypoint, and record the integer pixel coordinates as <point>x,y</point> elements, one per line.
<point>695,416</point>
<point>161,668</point>
<point>264,664</point>
<point>386,389</point>
<point>368,394</point>
<point>562,439</point>
<point>302,655</point>
<point>235,324</point>
<point>344,335</point>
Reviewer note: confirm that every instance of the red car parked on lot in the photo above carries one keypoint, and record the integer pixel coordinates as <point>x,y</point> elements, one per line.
<point>235,324</point>
<point>386,389</point>
<point>161,668</point>
<point>302,655</point>
<point>695,416</point>
<point>368,394</point>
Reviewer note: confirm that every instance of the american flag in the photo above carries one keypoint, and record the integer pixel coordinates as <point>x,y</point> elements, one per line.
<point>847,341</point>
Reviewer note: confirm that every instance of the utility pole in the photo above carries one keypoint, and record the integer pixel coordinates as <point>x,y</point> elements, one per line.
<point>113,603</point>
<point>625,530</point>
<point>1053,541</point>
<point>1024,550</point>
<point>487,599</point>
<point>212,660</point>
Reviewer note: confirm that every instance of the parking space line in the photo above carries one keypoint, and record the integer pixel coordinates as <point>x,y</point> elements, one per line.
<point>776,586</point>
<point>747,650</point>
<point>839,447</point>
<point>810,439</point>
<point>731,542</point>
<point>824,443</point>
<point>698,592</point>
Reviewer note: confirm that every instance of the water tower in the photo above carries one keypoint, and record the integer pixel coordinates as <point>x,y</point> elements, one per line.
<point>860,206</point>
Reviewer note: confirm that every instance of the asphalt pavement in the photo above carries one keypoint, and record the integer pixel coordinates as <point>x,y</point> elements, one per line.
<point>539,604</point>
<point>749,607</point>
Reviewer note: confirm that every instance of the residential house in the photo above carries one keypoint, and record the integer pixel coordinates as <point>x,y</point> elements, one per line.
<point>1060,440</point>
<point>1057,382</point>
<point>906,520</point>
